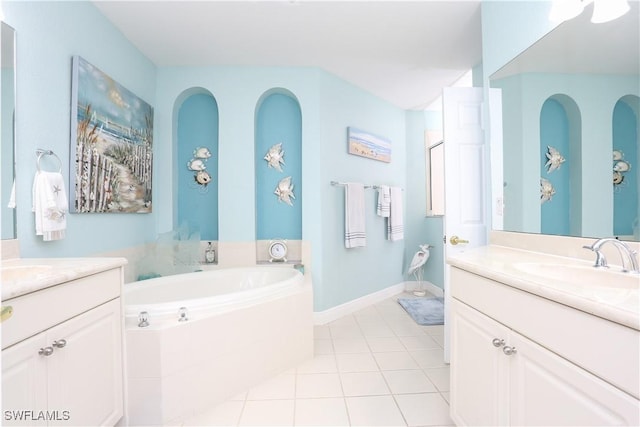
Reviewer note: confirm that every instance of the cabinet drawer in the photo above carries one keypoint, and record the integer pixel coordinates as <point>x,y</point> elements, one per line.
<point>37,311</point>
<point>609,350</point>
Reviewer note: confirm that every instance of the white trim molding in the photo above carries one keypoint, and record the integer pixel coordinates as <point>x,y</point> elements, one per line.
<point>333,313</point>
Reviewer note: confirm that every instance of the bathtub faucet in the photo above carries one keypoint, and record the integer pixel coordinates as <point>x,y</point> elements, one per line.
<point>628,255</point>
<point>143,319</point>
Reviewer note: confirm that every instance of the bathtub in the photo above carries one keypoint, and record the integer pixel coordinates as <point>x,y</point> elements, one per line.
<point>210,336</point>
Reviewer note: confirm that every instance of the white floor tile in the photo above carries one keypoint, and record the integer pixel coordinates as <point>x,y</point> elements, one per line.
<point>408,381</point>
<point>356,362</point>
<point>420,342</point>
<point>226,414</point>
<point>364,384</point>
<point>322,347</point>
<point>321,332</point>
<point>322,363</point>
<point>385,344</point>
<point>393,361</point>
<point>374,411</point>
<point>321,412</point>
<point>280,387</point>
<point>318,385</point>
<point>439,376</point>
<point>406,330</point>
<point>350,345</point>
<point>268,413</point>
<point>434,329</point>
<point>376,330</point>
<point>439,339</point>
<point>431,358</point>
<point>445,396</point>
<point>241,396</point>
<point>346,332</point>
<point>426,409</point>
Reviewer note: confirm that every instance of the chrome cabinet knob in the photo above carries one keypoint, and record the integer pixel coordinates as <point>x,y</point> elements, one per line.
<point>46,351</point>
<point>497,342</point>
<point>59,343</point>
<point>508,350</point>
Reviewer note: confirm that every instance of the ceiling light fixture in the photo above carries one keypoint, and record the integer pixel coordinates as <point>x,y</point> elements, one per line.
<point>608,10</point>
<point>603,10</point>
<point>563,10</point>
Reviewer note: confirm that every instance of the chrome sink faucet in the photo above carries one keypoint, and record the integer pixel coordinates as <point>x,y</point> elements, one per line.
<point>628,255</point>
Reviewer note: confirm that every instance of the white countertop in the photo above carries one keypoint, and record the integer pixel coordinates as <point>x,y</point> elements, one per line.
<point>620,304</point>
<point>25,275</point>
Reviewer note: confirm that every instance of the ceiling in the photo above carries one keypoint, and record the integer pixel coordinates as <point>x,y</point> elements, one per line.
<point>402,51</point>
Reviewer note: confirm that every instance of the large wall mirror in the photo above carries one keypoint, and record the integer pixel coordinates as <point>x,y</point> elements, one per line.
<point>7,143</point>
<point>570,120</point>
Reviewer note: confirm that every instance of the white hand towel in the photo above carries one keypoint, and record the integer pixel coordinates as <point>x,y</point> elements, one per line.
<point>395,226</point>
<point>50,205</point>
<point>384,201</point>
<point>354,219</point>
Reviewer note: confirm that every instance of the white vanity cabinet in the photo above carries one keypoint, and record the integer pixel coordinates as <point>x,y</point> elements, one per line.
<point>500,376</point>
<point>66,370</point>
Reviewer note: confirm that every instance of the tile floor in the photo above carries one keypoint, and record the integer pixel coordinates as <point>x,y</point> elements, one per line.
<point>375,367</point>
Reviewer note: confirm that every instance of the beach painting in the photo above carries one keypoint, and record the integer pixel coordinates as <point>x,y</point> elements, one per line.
<point>367,145</point>
<point>111,145</point>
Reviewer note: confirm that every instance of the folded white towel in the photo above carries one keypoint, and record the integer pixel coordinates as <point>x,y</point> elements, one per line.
<point>50,205</point>
<point>354,219</point>
<point>395,226</point>
<point>384,201</point>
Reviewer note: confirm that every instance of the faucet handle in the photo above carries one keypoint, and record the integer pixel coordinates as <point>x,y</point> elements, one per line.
<point>601,261</point>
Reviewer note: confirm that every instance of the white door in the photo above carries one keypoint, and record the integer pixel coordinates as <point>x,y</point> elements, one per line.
<point>466,179</point>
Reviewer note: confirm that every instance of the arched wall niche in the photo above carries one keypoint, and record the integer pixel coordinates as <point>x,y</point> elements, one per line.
<point>560,129</point>
<point>625,139</point>
<point>278,120</point>
<point>196,136</point>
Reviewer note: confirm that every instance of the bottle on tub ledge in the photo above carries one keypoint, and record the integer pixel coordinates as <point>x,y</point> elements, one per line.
<point>210,254</point>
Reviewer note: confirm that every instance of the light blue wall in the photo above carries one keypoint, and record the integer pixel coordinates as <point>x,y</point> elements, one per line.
<point>554,132</point>
<point>625,197</point>
<point>424,230</point>
<point>278,121</point>
<point>197,204</point>
<point>328,105</point>
<point>48,35</point>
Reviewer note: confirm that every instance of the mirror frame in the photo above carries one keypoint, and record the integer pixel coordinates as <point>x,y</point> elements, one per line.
<point>9,226</point>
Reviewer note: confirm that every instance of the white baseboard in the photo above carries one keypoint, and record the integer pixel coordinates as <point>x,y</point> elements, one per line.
<point>333,313</point>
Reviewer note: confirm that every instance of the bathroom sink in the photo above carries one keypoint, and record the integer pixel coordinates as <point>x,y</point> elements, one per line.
<point>21,272</point>
<point>581,275</point>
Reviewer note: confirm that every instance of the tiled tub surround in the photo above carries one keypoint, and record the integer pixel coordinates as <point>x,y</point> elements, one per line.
<point>176,369</point>
<point>576,330</point>
<point>228,255</point>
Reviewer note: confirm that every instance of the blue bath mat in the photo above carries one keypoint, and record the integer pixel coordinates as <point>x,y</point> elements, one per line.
<point>425,311</point>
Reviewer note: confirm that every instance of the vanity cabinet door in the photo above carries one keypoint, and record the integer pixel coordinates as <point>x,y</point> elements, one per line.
<point>479,369</point>
<point>549,390</point>
<point>85,374</point>
<point>24,382</point>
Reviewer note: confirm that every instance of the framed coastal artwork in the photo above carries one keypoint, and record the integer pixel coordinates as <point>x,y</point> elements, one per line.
<point>111,144</point>
<point>367,145</point>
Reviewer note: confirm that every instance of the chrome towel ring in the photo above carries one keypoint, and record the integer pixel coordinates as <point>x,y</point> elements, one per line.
<point>40,153</point>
